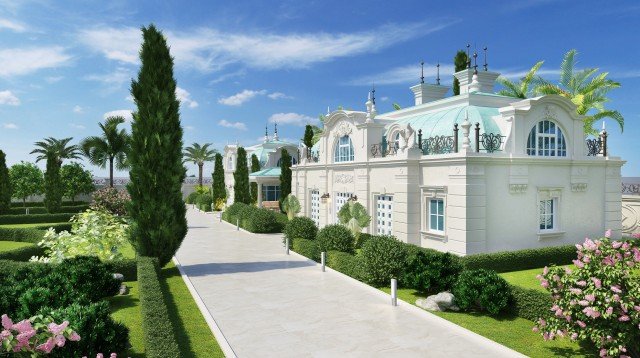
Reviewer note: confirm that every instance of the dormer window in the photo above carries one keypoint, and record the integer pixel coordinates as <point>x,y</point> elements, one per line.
<point>344,150</point>
<point>546,140</point>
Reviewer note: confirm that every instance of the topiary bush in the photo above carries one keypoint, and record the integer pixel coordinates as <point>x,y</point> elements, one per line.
<point>235,208</point>
<point>382,260</point>
<point>191,198</point>
<point>348,264</point>
<point>300,228</point>
<point>260,221</point>
<point>307,248</point>
<point>483,290</point>
<point>530,304</point>
<point>429,270</point>
<point>336,237</point>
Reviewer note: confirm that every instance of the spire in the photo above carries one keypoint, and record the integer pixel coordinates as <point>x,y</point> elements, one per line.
<point>275,134</point>
<point>438,73</point>
<point>486,65</point>
<point>373,94</point>
<point>266,133</point>
<point>369,105</point>
<point>475,62</point>
<point>468,56</point>
<point>466,127</point>
<point>421,71</point>
<point>328,112</point>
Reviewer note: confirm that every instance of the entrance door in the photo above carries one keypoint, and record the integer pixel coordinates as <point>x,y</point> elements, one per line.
<point>315,207</point>
<point>341,199</point>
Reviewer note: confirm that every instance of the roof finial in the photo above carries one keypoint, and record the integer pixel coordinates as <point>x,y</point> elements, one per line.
<point>475,62</point>
<point>275,134</point>
<point>373,93</point>
<point>438,73</point>
<point>328,112</point>
<point>486,65</point>
<point>421,71</point>
<point>266,133</point>
<point>468,56</point>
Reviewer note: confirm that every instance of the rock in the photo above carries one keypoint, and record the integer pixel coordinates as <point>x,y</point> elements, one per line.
<point>124,290</point>
<point>441,302</point>
<point>118,276</point>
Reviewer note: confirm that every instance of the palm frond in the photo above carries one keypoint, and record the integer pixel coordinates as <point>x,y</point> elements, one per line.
<point>566,68</point>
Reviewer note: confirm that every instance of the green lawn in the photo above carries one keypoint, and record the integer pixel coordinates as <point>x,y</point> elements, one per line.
<point>525,278</point>
<point>510,331</point>
<point>16,226</point>
<point>12,245</point>
<point>193,333</point>
<point>126,309</point>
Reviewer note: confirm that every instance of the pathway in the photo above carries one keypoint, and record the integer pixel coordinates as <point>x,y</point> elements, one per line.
<point>269,304</point>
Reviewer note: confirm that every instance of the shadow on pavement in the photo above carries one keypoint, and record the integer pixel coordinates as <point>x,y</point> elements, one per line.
<point>235,267</point>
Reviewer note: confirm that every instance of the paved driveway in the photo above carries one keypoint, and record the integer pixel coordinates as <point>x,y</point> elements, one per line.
<point>268,304</point>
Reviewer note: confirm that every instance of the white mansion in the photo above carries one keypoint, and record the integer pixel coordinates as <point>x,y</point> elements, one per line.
<point>476,172</point>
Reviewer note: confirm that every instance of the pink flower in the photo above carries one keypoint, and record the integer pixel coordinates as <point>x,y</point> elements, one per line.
<point>57,328</point>
<point>581,283</point>
<point>624,318</point>
<point>60,340</point>
<point>4,334</point>
<point>24,337</point>
<point>609,310</point>
<point>99,355</point>
<point>591,312</point>
<point>74,337</point>
<point>597,282</point>
<point>47,346</point>
<point>603,352</point>
<point>607,234</point>
<point>559,312</point>
<point>637,308</point>
<point>567,270</point>
<point>586,259</point>
<point>581,324</point>
<point>636,235</point>
<point>542,322</point>
<point>535,329</point>
<point>6,322</point>
<point>616,289</point>
<point>590,297</point>
<point>583,303</point>
<point>589,245</point>
<point>113,355</point>
<point>544,283</point>
<point>578,263</point>
<point>608,261</point>
<point>545,270</point>
<point>575,291</point>
<point>636,254</point>
<point>574,336</point>
<point>616,298</point>
<point>23,326</point>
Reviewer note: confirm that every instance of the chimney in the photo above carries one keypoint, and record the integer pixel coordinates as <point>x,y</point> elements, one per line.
<point>425,92</point>
<point>486,79</point>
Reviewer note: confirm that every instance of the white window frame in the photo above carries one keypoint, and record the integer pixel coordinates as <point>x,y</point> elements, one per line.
<point>428,193</point>
<point>545,195</point>
<point>437,215</point>
<point>539,142</point>
<point>384,213</point>
<point>343,152</point>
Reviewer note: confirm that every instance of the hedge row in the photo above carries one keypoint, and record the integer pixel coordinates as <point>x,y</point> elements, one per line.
<point>530,304</point>
<point>21,234</point>
<point>159,333</point>
<point>41,210</point>
<point>22,253</point>
<point>507,261</point>
<point>34,219</point>
<point>254,219</point>
<point>40,204</point>
<point>346,263</point>
<point>58,227</point>
<point>307,248</point>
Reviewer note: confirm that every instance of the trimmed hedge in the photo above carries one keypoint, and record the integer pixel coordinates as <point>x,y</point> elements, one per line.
<point>346,263</point>
<point>21,234</point>
<point>22,253</point>
<point>507,261</point>
<point>40,204</point>
<point>253,219</point>
<point>41,210</point>
<point>34,219</point>
<point>530,304</point>
<point>307,248</point>
<point>159,333</point>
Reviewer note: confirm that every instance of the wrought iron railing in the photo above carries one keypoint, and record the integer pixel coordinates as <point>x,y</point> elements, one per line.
<point>631,188</point>
<point>490,142</point>
<point>438,145</point>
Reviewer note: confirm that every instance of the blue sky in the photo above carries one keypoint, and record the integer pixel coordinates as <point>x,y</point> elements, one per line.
<point>242,64</point>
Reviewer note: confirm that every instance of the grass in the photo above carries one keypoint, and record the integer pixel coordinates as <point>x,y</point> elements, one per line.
<point>126,309</point>
<point>525,278</point>
<point>12,245</point>
<point>510,331</point>
<point>16,226</point>
<point>193,332</point>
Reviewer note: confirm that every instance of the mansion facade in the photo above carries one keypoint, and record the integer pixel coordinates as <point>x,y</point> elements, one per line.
<point>476,172</point>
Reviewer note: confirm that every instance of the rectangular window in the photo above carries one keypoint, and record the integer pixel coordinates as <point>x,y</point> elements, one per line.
<point>315,207</point>
<point>548,211</point>
<point>384,214</point>
<point>270,192</point>
<point>436,214</point>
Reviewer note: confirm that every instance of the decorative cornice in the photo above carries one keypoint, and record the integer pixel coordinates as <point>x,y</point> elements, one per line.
<point>343,178</point>
<point>518,188</point>
<point>579,187</point>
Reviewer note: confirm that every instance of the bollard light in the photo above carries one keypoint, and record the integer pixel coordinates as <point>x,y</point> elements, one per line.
<point>323,260</point>
<point>237,224</point>
<point>394,292</point>
<point>220,217</point>
<point>287,244</point>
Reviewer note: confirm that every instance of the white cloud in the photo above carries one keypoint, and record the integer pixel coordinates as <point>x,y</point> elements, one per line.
<point>113,80</point>
<point>209,50</point>
<point>53,79</point>
<point>9,126</point>
<point>403,75</point>
<point>22,61</point>
<point>185,98</point>
<point>518,74</point>
<point>226,76</point>
<point>384,98</point>
<point>7,97</point>
<point>77,126</point>
<point>278,95</point>
<point>292,118</point>
<point>77,109</point>
<point>129,98</point>
<point>240,98</point>
<point>125,113</point>
<point>12,25</point>
<point>236,125</point>
<point>189,128</point>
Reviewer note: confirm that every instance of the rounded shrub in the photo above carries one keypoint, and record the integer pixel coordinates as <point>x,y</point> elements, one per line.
<point>483,290</point>
<point>382,259</point>
<point>191,198</point>
<point>336,237</point>
<point>300,228</point>
<point>430,270</point>
<point>235,208</point>
<point>259,220</point>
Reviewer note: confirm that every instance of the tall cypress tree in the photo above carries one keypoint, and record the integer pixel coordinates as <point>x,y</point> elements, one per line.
<point>218,191</point>
<point>157,172</point>
<point>241,192</point>
<point>53,189</point>
<point>5,185</point>
<point>308,136</point>
<point>255,166</point>
<point>285,175</point>
<point>460,63</point>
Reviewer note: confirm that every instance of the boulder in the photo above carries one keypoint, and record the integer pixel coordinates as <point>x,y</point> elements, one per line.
<point>118,276</point>
<point>441,302</point>
<point>124,290</point>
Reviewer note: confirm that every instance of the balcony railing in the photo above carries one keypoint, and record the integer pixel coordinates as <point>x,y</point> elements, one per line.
<point>597,146</point>
<point>631,188</point>
<point>487,142</point>
<point>438,145</point>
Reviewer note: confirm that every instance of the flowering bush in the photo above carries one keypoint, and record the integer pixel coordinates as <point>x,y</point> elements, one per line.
<point>599,301</point>
<point>112,200</point>
<point>93,233</point>
<point>37,334</point>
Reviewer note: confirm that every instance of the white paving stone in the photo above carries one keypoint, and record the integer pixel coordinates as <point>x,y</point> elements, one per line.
<point>269,304</point>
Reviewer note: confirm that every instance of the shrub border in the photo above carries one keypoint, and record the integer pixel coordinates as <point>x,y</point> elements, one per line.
<point>35,218</point>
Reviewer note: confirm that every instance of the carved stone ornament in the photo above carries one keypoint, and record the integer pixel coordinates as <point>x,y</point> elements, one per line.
<point>342,130</point>
<point>550,113</point>
<point>343,178</point>
<point>517,188</point>
<point>579,187</point>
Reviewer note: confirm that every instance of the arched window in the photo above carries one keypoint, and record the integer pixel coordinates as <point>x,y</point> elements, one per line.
<point>294,161</point>
<point>230,164</point>
<point>344,150</point>
<point>396,141</point>
<point>546,140</point>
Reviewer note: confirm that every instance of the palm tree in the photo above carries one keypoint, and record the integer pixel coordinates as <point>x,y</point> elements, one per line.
<point>518,90</point>
<point>111,146</point>
<point>57,149</point>
<point>198,155</point>
<point>585,89</point>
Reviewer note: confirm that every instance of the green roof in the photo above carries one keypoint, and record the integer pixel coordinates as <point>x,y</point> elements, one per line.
<point>269,172</point>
